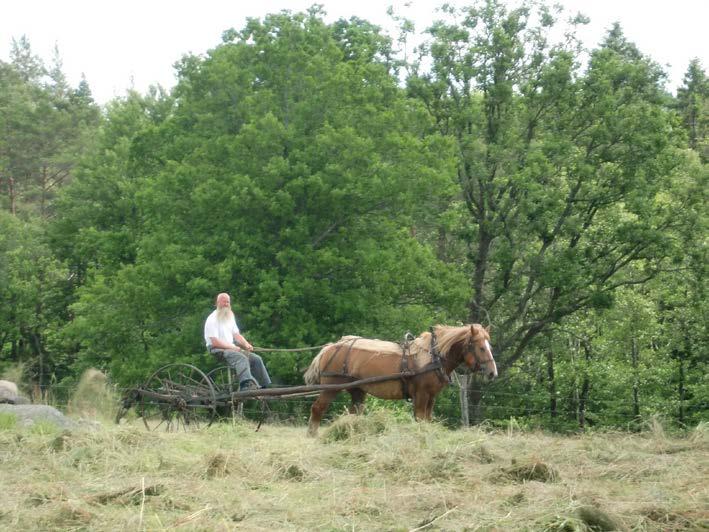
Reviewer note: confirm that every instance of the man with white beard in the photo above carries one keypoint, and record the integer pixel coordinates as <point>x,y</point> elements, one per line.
<point>222,336</point>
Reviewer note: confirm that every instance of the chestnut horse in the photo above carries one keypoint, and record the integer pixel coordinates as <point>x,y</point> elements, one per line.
<point>419,369</point>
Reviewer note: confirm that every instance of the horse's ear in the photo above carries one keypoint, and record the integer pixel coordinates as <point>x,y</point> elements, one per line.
<point>488,329</point>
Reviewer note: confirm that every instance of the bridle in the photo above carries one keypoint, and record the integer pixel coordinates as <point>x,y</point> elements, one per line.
<point>438,360</point>
<point>471,350</point>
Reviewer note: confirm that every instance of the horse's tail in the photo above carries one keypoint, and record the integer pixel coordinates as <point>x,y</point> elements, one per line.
<point>312,374</point>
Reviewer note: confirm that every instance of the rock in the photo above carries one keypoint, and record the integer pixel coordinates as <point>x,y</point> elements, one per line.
<point>8,392</point>
<point>28,415</point>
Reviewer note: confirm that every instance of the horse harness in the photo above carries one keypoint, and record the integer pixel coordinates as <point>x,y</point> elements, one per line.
<point>407,372</point>
<point>345,371</point>
<point>437,360</point>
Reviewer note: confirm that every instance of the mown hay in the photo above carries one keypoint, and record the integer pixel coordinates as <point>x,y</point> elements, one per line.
<point>484,455</point>
<point>350,426</point>
<point>124,496</point>
<point>674,520</point>
<point>292,472</point>
<point>700,434</point>
<point>67,515</point>
<point>410,475</point>
<point>217,466</point>
<point>597,519</point>
<point>536,470</point>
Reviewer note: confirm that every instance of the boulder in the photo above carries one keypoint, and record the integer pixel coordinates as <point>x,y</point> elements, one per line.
<point>8,392</point>
<point>28,415</point>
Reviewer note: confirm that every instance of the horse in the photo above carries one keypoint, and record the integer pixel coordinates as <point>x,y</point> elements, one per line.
<point>419,368</point>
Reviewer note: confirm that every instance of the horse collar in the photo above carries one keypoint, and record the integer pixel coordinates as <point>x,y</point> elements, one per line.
<point>437,359</point>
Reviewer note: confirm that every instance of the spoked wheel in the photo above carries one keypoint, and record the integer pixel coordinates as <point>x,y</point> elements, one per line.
<point>130,399</point>
<point>226,382</point>
<point>178,397</point>
<point>224,379</point>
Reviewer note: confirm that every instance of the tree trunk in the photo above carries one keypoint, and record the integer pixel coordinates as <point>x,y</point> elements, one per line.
<point>572,411</point>
<point>476,305</point>
<point>43,198</point>
<point>636,401</point>
<point>582,402</point>
<point>585,387</point>
<point>684,355</point>
<point>11,193</point>
<point>681,389</point>
<point>475,400</point>
<point>552,383</point>
<point>464,379</point>
<point>40,360</point>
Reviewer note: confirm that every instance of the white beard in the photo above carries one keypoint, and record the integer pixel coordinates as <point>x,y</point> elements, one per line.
<point>224,314</point>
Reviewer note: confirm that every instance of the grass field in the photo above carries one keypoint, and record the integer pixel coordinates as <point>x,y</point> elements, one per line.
<point>373,472</point>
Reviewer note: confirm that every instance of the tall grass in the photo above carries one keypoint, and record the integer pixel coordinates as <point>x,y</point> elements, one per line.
<point>93,397</point>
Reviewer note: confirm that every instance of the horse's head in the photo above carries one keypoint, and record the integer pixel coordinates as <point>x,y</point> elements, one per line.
<point>478,354</point>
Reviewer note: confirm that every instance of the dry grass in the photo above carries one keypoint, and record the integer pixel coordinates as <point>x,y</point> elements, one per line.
<point>93,397</point>
<point>363,473</point>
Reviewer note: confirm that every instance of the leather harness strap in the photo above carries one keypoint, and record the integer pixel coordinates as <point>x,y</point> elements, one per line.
<point>345,371</point>
<point>406,371</point>
<point>436,359</point>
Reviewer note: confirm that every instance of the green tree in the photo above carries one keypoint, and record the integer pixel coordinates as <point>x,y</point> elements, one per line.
<point>97,224</point>
<point>45,128</point>
<point>559,168</point>
<point>693,106</point>
<point>31,282</point>
<point>290,173</point>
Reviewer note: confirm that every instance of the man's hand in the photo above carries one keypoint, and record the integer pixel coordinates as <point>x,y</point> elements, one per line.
<point>243,342</point>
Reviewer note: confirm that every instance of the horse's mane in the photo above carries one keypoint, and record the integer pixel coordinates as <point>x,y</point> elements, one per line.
<point>447,336</point>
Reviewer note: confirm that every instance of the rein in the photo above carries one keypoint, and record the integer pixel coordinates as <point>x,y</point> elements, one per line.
<point>271,350</point>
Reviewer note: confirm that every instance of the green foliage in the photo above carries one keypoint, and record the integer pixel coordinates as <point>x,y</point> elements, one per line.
<point>693,106</point>
<point>31,283</point>
<point>559,169</point>
<point>45,126</point>
<point>288,174</point>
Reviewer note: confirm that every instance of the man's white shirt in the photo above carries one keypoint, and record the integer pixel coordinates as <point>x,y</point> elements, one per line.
<point>224,330</point>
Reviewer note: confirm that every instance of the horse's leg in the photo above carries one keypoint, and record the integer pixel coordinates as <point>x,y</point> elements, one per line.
<point>318,409</point>
<point>429,407</point>
<point>420,401</point>
<point>358,396</point>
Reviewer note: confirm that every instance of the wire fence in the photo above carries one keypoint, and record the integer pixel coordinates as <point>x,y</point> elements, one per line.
<point>496,405</point>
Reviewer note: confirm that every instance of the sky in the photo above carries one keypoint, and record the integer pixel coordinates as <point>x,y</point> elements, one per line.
<point>134,44</point>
